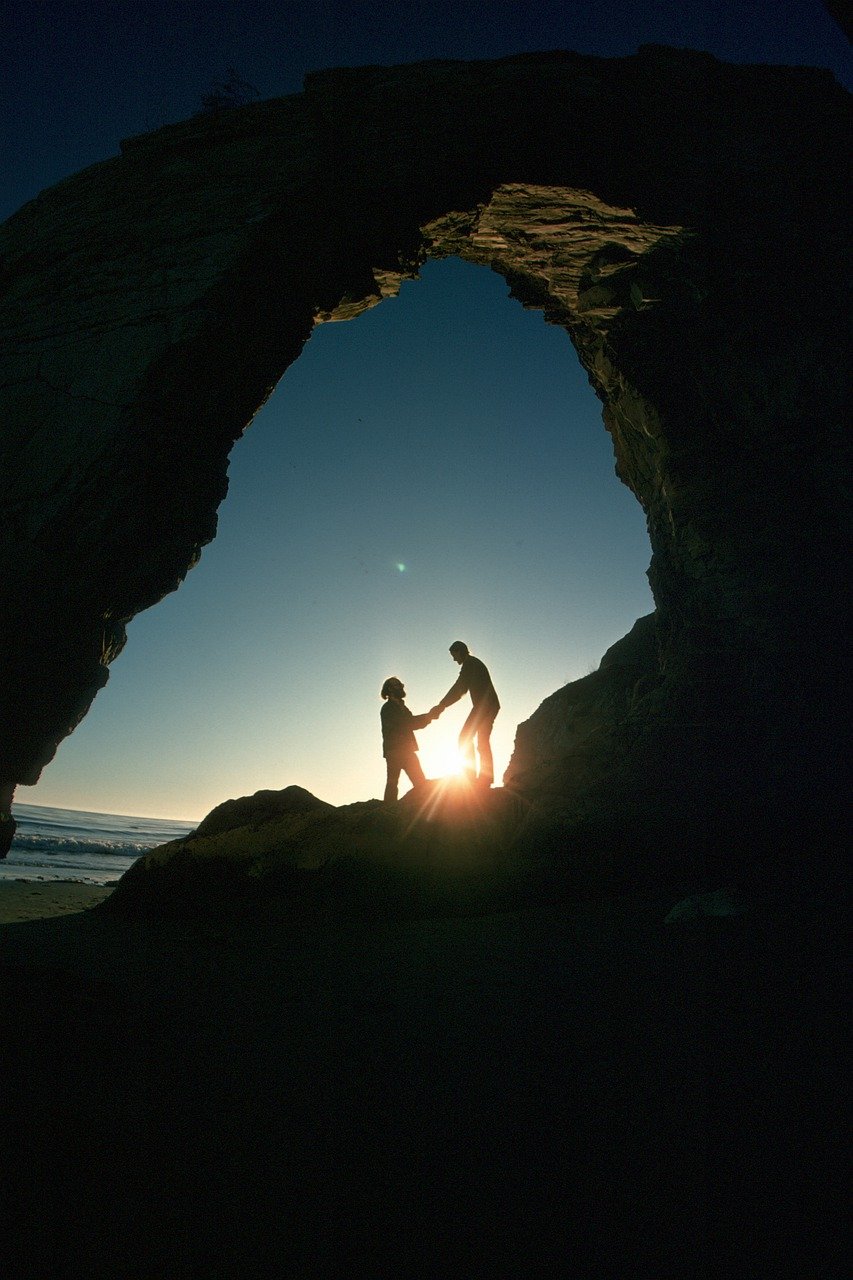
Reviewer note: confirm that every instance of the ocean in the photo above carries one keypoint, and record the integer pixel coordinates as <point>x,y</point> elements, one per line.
<point>89,848</point>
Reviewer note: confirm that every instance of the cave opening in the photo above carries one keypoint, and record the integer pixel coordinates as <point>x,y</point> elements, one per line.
<point>659,251</point>
<point>438,469</point>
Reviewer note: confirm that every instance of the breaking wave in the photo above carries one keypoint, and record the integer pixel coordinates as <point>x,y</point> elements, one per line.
<point>54,846</point>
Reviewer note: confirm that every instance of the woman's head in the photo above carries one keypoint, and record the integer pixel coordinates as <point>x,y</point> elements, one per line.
<point>393,688</point>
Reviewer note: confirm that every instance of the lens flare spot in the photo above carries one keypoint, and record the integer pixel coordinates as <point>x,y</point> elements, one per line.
<point>401,568</point>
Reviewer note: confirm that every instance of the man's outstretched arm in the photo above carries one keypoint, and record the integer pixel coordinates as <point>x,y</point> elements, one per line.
<point>456,691</point>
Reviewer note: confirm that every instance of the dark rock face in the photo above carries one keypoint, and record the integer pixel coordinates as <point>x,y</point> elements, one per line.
<point>679,217</point>
<point>263,806</point>
<point>448,849</point>
<point>569,739</point>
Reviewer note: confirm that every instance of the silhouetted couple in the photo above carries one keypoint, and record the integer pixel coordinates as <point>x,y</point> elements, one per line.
<point>399,746</point>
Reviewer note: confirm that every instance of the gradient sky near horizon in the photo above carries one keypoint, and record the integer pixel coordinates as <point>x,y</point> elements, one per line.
<point>436,469</point>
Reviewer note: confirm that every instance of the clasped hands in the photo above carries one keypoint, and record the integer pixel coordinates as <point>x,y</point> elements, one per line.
<point>435,712</point>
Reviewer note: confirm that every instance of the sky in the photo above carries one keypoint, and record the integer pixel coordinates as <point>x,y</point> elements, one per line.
<point>435,470</point>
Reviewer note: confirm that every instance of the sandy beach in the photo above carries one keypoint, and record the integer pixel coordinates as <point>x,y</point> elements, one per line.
<point>40,900</point>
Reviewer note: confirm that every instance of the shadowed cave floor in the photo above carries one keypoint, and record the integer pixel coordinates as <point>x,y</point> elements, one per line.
<point>551,1092</point>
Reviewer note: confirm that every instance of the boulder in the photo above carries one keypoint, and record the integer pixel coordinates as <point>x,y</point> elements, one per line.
<point>444,849</point>
<point>571,735</point>
<point>253,811</point>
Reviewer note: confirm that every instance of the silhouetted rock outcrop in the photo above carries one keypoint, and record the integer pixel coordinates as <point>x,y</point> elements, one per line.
<point>254,811</point>
<point>684,221</point>
<point>448,848</point>
<point>569,739</point>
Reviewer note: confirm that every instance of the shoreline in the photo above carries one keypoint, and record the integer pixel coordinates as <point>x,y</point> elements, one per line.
<point>22,900</point>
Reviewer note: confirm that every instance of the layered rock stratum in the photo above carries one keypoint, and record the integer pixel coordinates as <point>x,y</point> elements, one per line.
<point>681,218</point>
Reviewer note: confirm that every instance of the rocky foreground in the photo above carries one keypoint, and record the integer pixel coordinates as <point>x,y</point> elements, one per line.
<point>450,848</point>
<point>580,1090</point>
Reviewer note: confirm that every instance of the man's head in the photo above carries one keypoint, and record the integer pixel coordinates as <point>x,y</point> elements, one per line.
<point>459,651</point>
<point>393,688</point>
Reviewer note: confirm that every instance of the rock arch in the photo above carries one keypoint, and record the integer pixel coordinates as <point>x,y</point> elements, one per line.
<point>680,217</point>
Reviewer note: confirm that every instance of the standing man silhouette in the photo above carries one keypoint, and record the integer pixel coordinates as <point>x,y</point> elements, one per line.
<point>399,745</point>
<point>474,678</point>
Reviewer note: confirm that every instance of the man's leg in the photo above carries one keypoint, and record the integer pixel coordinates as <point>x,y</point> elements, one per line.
<point>393,779</point>
<point>466,745</point>
<point>484,747</point>
<point>412,765</point>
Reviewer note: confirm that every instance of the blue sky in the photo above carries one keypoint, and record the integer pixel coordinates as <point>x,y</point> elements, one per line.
<point>448,431</point>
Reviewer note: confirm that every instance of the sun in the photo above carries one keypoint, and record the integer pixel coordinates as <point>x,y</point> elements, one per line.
<point>441,759</point>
